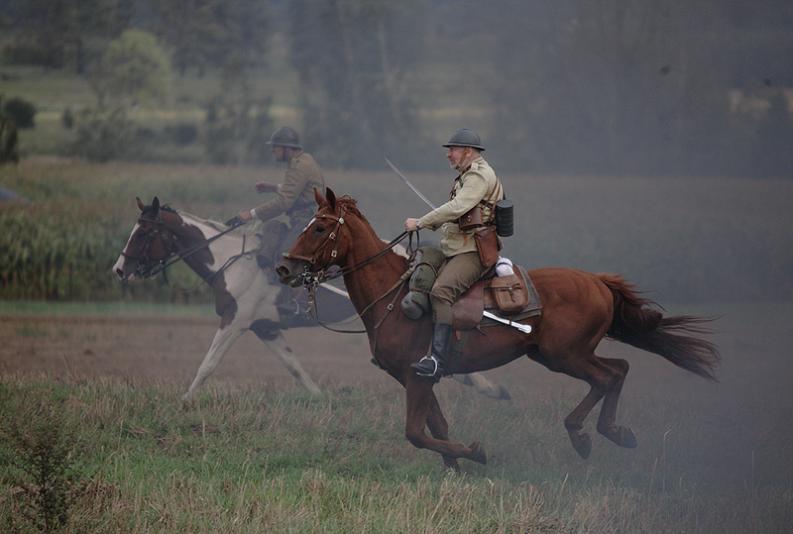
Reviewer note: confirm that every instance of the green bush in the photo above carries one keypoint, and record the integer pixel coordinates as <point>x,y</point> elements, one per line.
<point>20,111</point>
<point>104,135</point>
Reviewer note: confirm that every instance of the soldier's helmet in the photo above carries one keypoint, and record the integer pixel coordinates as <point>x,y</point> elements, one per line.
<point>465,137</point>
<point>285,136</point>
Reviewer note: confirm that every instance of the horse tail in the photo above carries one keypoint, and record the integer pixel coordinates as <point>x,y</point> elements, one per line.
<point>646,328</point>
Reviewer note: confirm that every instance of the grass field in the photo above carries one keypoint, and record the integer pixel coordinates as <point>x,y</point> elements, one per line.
<point>268,457</point>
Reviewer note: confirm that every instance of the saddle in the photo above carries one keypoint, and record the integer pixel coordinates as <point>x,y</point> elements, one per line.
<point>513,296</point>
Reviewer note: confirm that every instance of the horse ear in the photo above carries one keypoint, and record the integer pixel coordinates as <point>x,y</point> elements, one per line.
<point>330,196</point>
<point>318,197</point>
<point>155,205</point>
<point>140,204</point>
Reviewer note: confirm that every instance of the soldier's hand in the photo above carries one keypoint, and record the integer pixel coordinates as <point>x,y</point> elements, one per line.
<point>266,187</point>
<point>411,224</point>
<point>234,221</point>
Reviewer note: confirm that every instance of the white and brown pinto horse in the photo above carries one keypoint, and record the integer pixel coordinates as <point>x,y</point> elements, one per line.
<point>246,298</point>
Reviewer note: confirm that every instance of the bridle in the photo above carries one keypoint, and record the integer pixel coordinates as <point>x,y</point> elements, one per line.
<point>312,277</point>
<point>317,276</point>
<point>152,266</point>
<point>148,266</point>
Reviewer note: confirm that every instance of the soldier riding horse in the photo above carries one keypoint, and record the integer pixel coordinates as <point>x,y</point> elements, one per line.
<point>247,297</point>
<point>579,310</point>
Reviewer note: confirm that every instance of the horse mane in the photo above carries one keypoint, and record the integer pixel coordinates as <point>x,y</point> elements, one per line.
<point>350,205</point>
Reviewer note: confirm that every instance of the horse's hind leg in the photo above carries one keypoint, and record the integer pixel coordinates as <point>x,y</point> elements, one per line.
<point>280,347</point>
<point>598,376</point>
<point>270,334</point>
<point>621,435</point>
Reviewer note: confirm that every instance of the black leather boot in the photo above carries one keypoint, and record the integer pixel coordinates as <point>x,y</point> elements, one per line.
<point>434,364</point>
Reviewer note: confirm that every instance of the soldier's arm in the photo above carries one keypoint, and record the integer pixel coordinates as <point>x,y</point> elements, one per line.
<point>288,192</point>
<point>473,190</point>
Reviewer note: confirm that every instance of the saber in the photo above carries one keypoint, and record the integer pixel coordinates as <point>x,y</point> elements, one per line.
<point>410,185</point>
<point>525,328</point>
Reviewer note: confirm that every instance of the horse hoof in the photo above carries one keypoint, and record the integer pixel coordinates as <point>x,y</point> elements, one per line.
<point>626,438</point>
<point>451,464</point>
<point>477,453</point>
<point>582,444</point>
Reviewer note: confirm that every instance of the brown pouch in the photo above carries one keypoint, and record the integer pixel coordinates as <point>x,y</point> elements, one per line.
<point>471,219</point>
<point>510,293</point>
<point>487,245</point>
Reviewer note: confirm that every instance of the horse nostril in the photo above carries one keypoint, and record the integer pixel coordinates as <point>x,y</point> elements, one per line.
<point>282,271</point>
<point>119,273</point>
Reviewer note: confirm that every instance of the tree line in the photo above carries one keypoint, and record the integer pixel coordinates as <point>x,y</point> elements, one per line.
<point>621,86</point>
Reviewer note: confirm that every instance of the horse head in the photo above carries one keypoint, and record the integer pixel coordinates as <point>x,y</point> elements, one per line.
<point>150,243</point>
<point>324,242</point>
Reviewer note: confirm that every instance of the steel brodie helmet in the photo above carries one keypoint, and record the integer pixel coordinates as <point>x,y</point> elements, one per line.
<point>285,136</point>
<point>465,137</point>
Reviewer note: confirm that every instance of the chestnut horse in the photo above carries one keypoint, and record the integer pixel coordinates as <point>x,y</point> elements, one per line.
<point>246,296</point>
<point>579,309</point>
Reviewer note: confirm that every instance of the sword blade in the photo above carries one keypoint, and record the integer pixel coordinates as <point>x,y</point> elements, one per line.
<point>410,185</point>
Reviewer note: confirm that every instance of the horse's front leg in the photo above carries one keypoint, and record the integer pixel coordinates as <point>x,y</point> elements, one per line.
<point>223,340</point>
<point>419,405</point>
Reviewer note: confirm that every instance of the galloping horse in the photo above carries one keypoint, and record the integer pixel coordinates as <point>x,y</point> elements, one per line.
<point>245,297</point>
<point>579,309</point>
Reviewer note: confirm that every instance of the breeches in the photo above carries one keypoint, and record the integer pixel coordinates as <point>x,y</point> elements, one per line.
<point>458,274</point>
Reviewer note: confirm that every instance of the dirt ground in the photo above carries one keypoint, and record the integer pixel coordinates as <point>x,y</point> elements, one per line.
<point>169,350</point>
<point>150,350</point>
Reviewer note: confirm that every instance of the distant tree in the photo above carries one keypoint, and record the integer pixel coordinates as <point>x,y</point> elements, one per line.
<point>224,34</point>
<point>20,111</point>
<point>355,61</point>
<point>64,33</point>
<point>133,68</point>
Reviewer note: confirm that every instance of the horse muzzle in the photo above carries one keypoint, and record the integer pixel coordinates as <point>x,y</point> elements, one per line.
<point>290,272</point>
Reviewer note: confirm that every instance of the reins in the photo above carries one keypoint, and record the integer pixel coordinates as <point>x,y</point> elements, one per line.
<point>162,265</point>
<point>311,280</point>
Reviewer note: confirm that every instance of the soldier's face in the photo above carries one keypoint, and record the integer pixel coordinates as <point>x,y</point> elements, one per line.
<point>457,157</point>
<point>279,153</point>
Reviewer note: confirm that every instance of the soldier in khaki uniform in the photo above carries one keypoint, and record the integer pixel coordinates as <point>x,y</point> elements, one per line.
<point>476,186</point>
<point>294,197</point>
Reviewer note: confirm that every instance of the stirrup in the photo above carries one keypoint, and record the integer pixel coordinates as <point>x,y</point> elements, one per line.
<point>428,367</point>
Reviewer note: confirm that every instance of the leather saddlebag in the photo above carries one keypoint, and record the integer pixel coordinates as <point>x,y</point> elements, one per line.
<point>487,245</point>
<point>510,292</point>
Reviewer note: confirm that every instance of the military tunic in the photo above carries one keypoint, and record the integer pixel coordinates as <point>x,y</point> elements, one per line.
<point>295,195</point>
<point>295,198</point>
<point>463,268</point>
<point>478,183</point>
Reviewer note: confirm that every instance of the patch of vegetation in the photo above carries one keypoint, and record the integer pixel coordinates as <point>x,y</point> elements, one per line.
<point>268,461</point>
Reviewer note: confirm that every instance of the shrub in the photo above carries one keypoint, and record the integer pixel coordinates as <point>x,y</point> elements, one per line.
<point>104,135</point>
<point>43,471</point>
<point>20,111</point>
<point>183,133</point>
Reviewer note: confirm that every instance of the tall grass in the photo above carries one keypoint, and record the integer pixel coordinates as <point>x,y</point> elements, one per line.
<point>687,239</point>
<point>281,461</point>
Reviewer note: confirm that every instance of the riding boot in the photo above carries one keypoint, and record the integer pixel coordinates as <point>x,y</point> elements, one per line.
<point>434,364</point>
